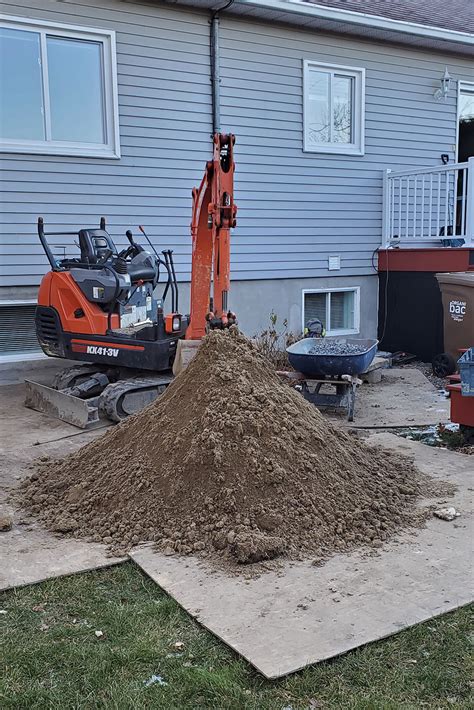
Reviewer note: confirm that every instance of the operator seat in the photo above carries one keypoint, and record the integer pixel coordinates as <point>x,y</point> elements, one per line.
<point>94,243</point>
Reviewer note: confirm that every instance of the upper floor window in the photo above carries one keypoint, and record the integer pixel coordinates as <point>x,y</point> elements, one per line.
<point>58,90</point>
<point>333,109</point>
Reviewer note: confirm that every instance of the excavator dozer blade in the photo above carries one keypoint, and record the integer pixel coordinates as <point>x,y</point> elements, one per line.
<point>78,412</point>
<point>185,352</point>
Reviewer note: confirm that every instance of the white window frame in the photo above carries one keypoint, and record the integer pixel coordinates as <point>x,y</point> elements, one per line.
<point>337,331</point>
<point>358,110</point>
<point>110,149</point>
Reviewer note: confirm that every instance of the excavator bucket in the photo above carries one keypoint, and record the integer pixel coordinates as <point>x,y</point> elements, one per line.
<point>185,352</point>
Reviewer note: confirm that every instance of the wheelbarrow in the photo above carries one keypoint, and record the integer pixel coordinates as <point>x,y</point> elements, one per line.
<point>338,371</point>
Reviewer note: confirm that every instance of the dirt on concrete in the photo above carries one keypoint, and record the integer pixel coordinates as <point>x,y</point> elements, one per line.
<point>426,368</point>
<point>229,462</point>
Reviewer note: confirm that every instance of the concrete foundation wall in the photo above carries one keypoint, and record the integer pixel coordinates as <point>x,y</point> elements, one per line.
<point>253,301</point>
<point>18,293</point>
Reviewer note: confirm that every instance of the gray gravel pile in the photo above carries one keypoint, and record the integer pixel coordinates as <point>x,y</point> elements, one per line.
<point>332,347</point>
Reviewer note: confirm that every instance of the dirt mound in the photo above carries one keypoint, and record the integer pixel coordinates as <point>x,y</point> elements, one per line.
<point>229,461</point>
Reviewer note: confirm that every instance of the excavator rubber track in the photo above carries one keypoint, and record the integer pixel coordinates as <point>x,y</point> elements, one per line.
<point>121,399</point>
<point>71,376</point>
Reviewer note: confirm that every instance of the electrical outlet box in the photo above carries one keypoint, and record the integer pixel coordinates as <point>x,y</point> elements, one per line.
<point>334,263</point>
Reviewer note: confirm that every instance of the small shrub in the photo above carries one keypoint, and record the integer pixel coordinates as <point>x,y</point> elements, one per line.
<point>272,342</point>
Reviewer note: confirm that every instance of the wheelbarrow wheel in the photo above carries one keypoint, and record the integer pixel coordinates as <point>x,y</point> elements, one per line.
<point>443,365</point>
<point>467,434</point>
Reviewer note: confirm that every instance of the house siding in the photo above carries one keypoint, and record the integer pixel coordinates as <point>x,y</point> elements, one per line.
<point>165,125</point>
<point>314,204</point>
<point>295,208</point>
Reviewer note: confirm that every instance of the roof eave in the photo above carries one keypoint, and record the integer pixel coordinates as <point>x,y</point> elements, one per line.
<point>348,17</point>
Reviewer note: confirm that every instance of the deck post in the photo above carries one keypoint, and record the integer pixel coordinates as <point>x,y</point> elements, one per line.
<point>470,202</point>
<point>386,208</point>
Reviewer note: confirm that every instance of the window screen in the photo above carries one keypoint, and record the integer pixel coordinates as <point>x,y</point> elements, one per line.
<point>342,310</point>
<point>315,307</point>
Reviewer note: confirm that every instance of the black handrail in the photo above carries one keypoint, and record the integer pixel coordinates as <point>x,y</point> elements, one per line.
<point>55,266</point>
<point>41,233</point>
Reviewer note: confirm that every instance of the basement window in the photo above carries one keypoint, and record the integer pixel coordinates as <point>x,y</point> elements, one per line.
<point>333,109</point>
<point>18,340</point>
<point>338,309</point>
<point>58,88</point>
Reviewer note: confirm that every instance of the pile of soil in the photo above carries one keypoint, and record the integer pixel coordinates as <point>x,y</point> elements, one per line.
<point>230,461</point>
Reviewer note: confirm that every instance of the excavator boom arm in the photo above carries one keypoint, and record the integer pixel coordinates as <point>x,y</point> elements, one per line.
<point>213,216</point>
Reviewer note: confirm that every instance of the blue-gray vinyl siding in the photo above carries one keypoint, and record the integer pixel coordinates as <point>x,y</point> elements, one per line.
<point>295,208</point>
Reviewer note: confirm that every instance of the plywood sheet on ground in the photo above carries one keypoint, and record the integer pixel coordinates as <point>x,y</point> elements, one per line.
<point>28,553</point>
<point>404,398</point>
<point>302,614</point>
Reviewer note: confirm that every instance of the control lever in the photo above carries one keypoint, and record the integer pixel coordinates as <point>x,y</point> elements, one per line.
<point>142,230</point>
<point>129,236</point>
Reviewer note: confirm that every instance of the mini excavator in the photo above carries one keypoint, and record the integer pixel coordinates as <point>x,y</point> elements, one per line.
<point>100,306</point>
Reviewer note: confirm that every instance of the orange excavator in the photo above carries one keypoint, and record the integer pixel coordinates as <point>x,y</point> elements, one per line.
<point>99,306</point>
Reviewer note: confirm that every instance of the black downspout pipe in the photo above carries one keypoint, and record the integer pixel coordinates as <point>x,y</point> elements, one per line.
<point>215,68</point>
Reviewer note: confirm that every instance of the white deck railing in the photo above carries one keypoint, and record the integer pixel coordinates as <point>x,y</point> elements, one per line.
<point>429,204</point>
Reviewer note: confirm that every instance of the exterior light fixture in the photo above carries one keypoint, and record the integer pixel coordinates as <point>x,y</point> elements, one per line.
<point>442,92</point>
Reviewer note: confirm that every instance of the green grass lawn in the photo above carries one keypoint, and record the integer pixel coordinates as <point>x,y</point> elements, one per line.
<point>52,658</point>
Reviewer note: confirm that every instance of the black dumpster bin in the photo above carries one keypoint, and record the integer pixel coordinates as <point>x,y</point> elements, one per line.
<point>410,313</point>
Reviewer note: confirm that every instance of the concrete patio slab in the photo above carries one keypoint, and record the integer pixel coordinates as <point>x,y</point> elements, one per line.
<point>403,398</point>
<point>301,614</point>
<point>29,553</point>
